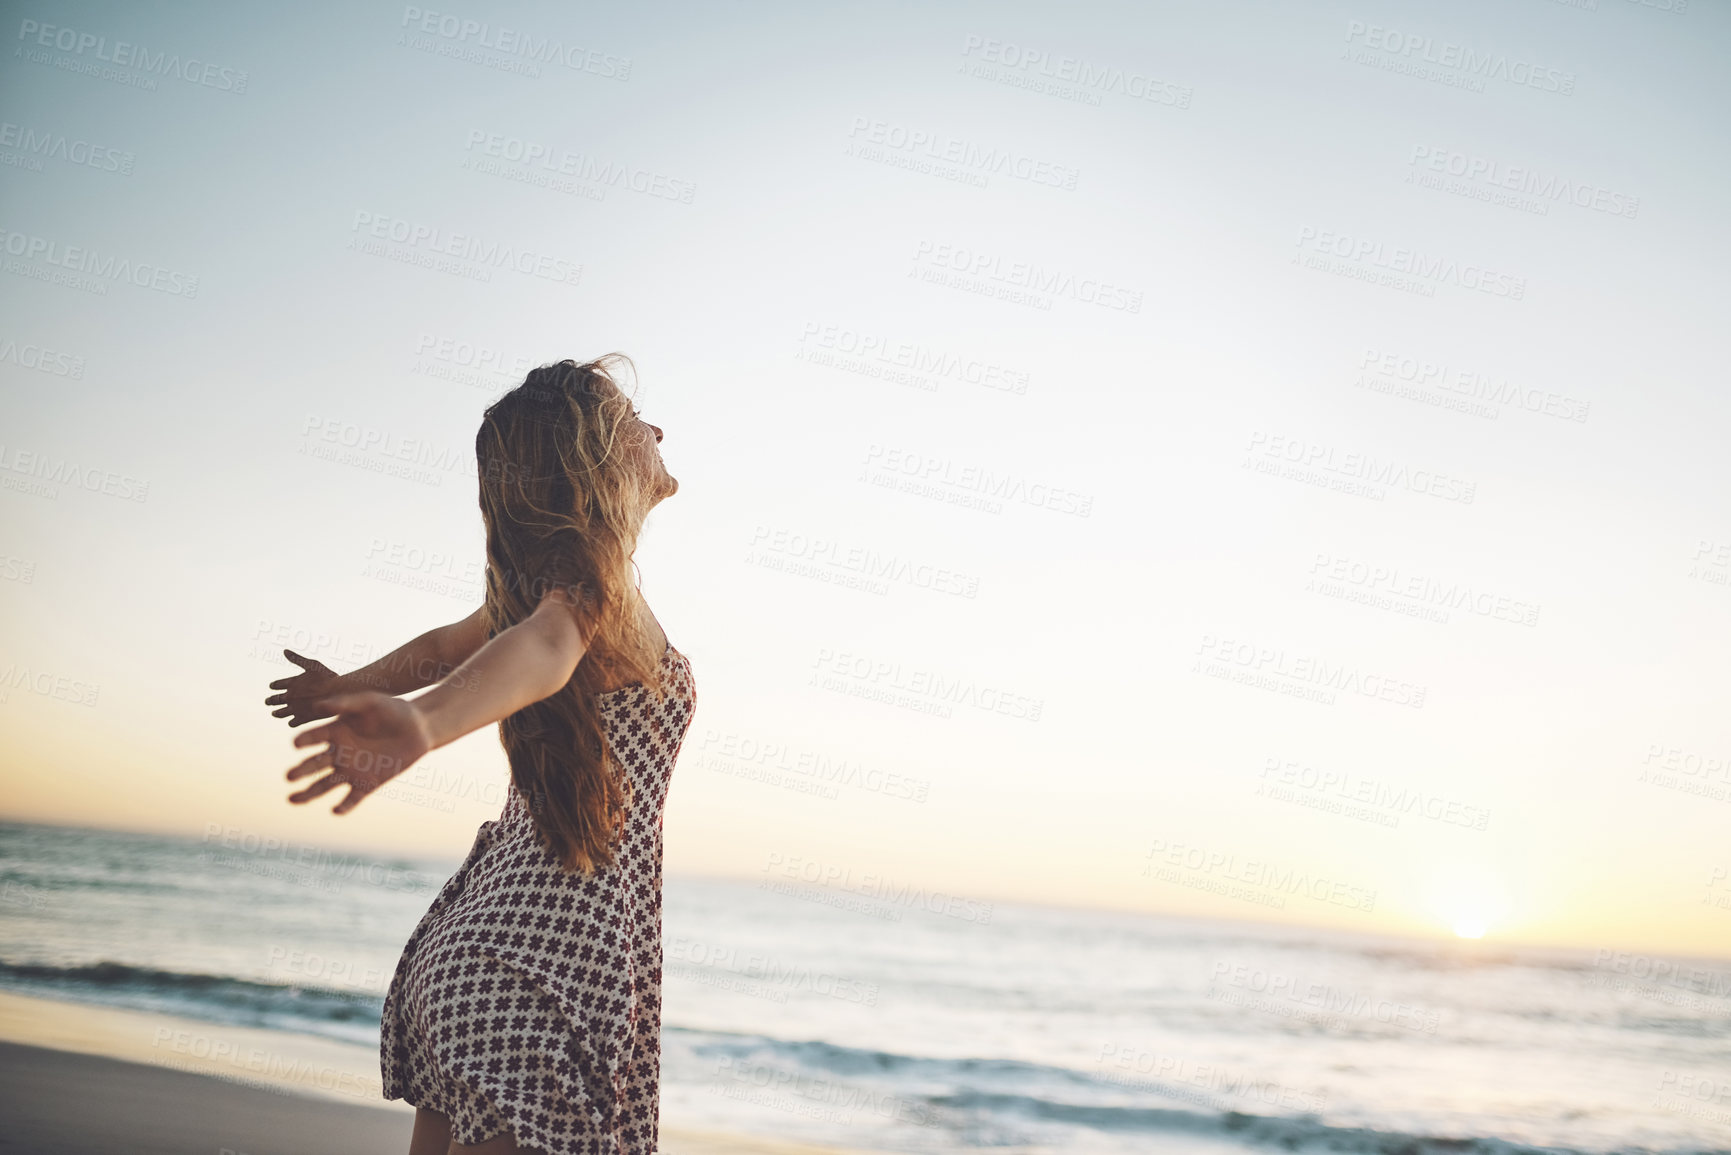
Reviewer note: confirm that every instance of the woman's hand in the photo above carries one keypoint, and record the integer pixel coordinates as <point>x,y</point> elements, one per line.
<point>299,693</point>
<point>375,737</point>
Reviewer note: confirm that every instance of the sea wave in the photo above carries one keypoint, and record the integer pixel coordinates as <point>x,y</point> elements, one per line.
<point>968,1096</point>
<point>348,1015</point>
<point>957,1102</point>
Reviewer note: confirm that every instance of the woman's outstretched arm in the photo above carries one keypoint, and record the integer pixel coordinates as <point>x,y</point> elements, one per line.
<point>418,663</point>
<point>375,737</point>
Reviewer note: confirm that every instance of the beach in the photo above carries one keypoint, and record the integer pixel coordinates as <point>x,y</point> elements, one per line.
<point>806,1016</point>
<point>66,1103</point>
<point>86,1080</point>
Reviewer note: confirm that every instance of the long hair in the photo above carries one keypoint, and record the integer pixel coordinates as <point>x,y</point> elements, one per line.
<point>563,495</point>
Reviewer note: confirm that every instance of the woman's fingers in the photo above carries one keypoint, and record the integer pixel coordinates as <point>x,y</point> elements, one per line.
<point>303,663</point>
<point>356,793</point>
<point>323,786</point>
<point>359,761</point>
<point>315,736</point>
<point>298,715</point>
<point>323,760</point>
<point>338,703</point>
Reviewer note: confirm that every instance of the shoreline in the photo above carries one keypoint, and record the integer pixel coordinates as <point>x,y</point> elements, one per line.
<point>86,1079</point>
<point>270,1061</point>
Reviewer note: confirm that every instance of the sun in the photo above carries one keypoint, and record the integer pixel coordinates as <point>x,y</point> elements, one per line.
<point>1469,898</point>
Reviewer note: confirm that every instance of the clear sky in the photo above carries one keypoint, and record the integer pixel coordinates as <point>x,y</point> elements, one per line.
<point>1259,460</point>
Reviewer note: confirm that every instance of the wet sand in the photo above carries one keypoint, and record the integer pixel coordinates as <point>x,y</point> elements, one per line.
<point>83,1080</point>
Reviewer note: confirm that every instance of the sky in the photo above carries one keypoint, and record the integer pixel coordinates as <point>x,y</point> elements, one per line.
<point>1241,460</point>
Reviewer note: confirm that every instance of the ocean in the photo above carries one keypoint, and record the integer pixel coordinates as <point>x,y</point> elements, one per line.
<point>895,1022</point>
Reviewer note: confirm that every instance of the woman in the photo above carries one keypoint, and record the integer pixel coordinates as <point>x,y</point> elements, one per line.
<point>525,1012</point>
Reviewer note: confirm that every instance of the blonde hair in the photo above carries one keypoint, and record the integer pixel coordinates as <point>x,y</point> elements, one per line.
<point>563,498</point>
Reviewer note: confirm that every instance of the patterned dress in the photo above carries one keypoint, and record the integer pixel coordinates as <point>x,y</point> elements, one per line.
<point>528,998</point>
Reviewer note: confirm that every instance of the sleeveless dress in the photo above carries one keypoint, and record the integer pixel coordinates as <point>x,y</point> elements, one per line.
<point>528,998</point>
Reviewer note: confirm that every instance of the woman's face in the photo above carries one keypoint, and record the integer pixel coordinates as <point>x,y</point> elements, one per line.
<point>644,442</point>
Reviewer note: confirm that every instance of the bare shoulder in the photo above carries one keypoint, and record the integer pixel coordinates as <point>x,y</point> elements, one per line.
<point>564,604</point>
<point>568,604</point>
